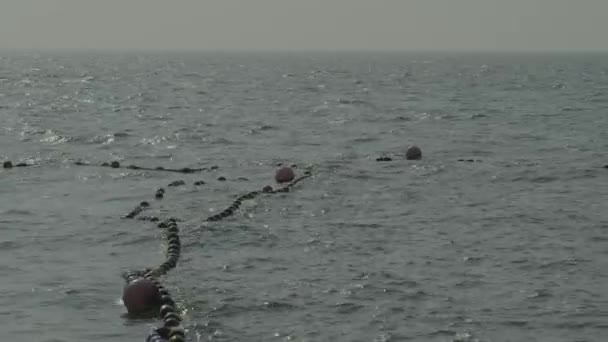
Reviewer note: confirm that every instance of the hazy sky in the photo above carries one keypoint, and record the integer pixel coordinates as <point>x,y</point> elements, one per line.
<point>305,24</point>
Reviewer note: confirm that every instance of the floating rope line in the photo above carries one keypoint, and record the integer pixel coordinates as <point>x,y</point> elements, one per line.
<point>116,165</point>
<point>235,206</point>
<point>251,195</point>
<point>173,248</point>
<point>171,329</point>
<point>159,194</point>
<point>384,159</point>
<point>9,165</point>
<point>177,183</point>
<point>149,218</point>
<point>137,210</point>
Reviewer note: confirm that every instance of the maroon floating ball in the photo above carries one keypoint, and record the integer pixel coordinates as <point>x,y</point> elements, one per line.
<point>413,153</point>
<point>140,296</point>
<point>284,174</point>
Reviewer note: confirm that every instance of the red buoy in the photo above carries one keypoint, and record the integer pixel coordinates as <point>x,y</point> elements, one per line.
<point>140,296</point>
<point>413,153</point>
<point>284,175</point>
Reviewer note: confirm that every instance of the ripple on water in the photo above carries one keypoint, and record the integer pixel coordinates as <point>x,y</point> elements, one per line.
<point>409,250</point>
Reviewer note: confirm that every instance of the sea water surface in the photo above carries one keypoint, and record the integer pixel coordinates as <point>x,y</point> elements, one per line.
<point>510,247</point>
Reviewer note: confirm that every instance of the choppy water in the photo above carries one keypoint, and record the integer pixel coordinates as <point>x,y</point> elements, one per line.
<point>511,248</point>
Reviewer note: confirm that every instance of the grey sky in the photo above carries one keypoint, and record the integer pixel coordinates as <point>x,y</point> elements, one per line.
<point>305,24</point>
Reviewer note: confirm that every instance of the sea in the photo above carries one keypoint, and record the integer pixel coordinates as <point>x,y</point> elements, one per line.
<point>499,232</point>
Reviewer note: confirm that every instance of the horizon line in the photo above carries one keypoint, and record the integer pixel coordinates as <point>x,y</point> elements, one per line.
<point>299,50</point>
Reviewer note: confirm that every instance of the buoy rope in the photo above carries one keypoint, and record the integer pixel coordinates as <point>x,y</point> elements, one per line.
<point>9,165</point>
<point>116,165</point>
<point>159,194</point>
<point>173,248</point>
<point>138,209</point>
<point>251,195</point>
<point>171,329</point>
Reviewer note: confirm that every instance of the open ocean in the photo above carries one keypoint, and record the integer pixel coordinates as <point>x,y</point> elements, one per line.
<point>510,247</point>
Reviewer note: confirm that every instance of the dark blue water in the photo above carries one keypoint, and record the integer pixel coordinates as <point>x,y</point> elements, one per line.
<point>513,247</point>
